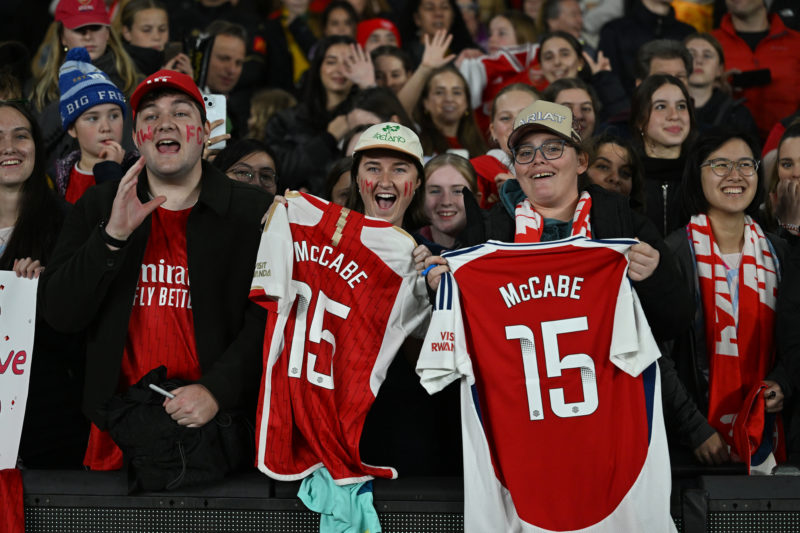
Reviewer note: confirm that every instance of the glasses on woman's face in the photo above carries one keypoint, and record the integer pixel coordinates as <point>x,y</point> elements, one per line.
<point>746,166</point>
<point>526,153</point>
<point>265,177</point>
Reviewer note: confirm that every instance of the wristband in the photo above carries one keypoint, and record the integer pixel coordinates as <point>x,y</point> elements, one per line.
<point>425,272</point>
<point>108,239</point>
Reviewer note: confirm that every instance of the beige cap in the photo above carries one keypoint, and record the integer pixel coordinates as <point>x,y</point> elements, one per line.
<point>391,136</point>
<point>544,116</point>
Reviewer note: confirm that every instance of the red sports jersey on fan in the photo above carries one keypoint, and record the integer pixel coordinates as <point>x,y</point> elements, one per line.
<point>561,405</point>
<point>346,295</point>
<point>161,327</point>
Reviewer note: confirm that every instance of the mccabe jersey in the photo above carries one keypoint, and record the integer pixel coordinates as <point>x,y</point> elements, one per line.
<point>344,295</point>
<point>560,393</point>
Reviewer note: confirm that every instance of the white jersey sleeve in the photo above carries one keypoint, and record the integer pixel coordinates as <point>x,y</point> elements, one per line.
<point>632,348</point>
<point>444,357</point>
<point>274,260</point>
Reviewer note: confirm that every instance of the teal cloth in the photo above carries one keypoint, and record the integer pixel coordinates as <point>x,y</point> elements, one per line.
<point>342,508</point>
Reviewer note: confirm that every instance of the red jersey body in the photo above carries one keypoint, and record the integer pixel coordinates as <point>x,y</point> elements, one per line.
<point>161,327</point>
<point>344,296</point>
<point>560,399</point>
<point>79,181</point>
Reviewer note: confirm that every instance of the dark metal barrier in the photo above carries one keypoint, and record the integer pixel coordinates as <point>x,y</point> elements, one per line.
<point>88,502</point>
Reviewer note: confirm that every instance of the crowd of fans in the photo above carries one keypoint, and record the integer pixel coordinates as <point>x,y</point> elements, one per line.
<point>690,118</point>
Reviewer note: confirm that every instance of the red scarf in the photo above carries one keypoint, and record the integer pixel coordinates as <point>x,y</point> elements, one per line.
<point>739,357</point>
<point>529,223</point>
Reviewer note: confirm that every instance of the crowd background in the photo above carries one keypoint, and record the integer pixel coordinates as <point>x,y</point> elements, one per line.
<point>646,81</point>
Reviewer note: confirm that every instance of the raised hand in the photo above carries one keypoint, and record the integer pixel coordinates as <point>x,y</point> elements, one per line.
<point>127,211</point>
<point>208,153</point>
<point>787,207</point>
<point>358,67</point>
<point>602,62</point>
<point>433,56</point>
<point>181,63</point>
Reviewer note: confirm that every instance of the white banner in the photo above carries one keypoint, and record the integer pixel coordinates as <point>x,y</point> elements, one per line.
<point>17,323</point>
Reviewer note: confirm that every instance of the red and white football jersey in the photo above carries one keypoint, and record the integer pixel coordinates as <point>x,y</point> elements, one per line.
<point>560,391</point>
<point>344,295</point>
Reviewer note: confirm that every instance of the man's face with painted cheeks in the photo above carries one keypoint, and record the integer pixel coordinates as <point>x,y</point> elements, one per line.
<point>170,134</point>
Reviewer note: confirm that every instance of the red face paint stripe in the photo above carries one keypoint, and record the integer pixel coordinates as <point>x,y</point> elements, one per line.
<point>142,136</point>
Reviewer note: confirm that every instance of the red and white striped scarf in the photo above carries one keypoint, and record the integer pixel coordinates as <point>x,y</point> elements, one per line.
<point>529,223</point>
<point>738,357</point>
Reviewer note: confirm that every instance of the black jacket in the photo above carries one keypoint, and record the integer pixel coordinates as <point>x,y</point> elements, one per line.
<point>89,287</point>
<point>722,110</point>
<point>684,363</point>
<point>621,38</point>
<point>664,296</point>
<point>662,192</point>
<point>304,150</point>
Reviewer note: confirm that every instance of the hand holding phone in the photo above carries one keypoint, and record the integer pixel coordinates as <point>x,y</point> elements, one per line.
<point>215,111</point>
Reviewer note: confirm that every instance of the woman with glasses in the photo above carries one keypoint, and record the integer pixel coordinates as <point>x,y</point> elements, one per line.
<point>734,269</point>
<point>249,161</point>
<point>544,203</point>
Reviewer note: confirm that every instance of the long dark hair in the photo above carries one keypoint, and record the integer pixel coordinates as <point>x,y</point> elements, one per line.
<point>40,212</point>
<point>315,96</point>
<point>641,107</point>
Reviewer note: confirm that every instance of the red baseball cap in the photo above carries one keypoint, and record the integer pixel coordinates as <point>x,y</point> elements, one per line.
<point>76,13</point>
<point>167,78</point>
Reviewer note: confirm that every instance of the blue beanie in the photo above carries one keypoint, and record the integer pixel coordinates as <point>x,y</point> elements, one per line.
<point>82,86</point>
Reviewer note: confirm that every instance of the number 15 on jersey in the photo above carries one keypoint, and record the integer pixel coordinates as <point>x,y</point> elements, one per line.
<point>554,364</point>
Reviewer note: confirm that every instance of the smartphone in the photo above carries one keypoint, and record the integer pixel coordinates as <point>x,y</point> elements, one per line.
<point>752,78</point>
<point>171,50</point>
<point>215,109</point>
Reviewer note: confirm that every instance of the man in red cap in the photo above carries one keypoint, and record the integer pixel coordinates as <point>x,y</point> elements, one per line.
<point>122,267</point>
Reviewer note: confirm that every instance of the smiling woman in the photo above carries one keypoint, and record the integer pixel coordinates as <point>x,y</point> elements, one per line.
<point>444,114</point>
<point>387,165</point>
<point>544,203</point>
<point>726,257</point>
<point>662,120</point>
<point>31,216</point>
<point>446,177</point>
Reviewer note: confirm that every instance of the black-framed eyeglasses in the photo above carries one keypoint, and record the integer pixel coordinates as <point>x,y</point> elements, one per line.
<point>264,177</point>
<point>722,167</point>
<point>552,149</point>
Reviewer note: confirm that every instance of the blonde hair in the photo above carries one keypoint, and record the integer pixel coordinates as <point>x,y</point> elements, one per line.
<point>263,105</point>
<point>51,54</point>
